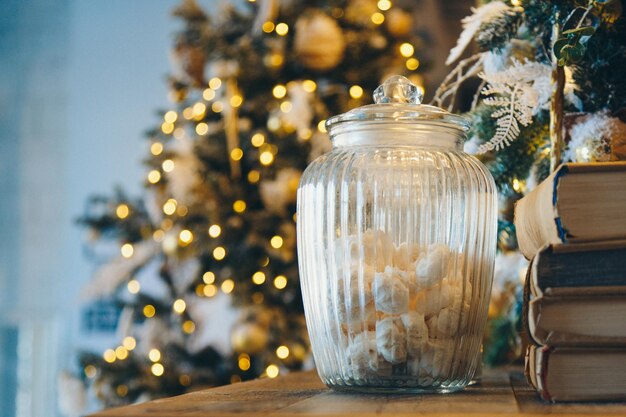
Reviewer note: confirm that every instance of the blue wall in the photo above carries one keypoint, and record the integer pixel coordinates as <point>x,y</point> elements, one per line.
<point>79,83</point>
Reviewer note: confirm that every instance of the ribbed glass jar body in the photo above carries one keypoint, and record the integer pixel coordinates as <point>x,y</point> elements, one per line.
<point>396,244</point>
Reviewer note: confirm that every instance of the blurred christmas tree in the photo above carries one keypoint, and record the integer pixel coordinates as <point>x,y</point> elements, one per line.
<point>252,88</point>
<point>551,89</point>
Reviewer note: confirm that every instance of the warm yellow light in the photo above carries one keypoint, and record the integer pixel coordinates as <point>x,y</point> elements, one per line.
<point>90,371</point>
<point>109,356</point>
<point>157,369</point>
<point>268,27</point>
<point>258,278</point>
<point>169,207</point>
<point>215,230</point>
<point>210,290</point>
<point>167,128</point>
<point>122,211</point>
<point>156,148</point>
<point>378,18</point>
<point>158,235</point>
<point>215,83</point>
<point>170,116</point>
<point>412,64</point>
<point>236,154</point>
<point>282,29</point>
<point>182,211</point>
<point>179,306</point>
<point>244,363</point>
<point>309,86</point>
<point>168,165</point>
<point>266,261</point>
<point>217,106</point>
<point>179,133</point>
<point>266,157</point>
<point>279,91</point>
<point>199,109</point>
<point>239,206</point>
<point>306,134</point>
<point>276,59</point>
<point>516,3</point>
<point>127,250</point>
<point>406,49</point>
<point>280,282</point>
<point>208,277</point>
<point>257,140</point>
<point>188,113</point>
<point>282,352</point>
<point>189,326</point>
<point>321,126</point>
<point>286,106</point>
<point>272,371</point>
<point>149,310</point>
<point>121,390</point>
<point>516,185</point>
<point>208,94</point>
<point>384,5</point>
<point>129,342</point>
<point>202,128</point>
<point>185,380</point>
<point>227,286</point>
<point>154,355</point>
<point>133,286</point>
<point>356,91</point>
<point>219,253</point>
<point>236,100</point>
<point>154,176</point>
<point>276,242</point>
<point>121,353</point>
<point>185,236</point>
<point>254,176</point>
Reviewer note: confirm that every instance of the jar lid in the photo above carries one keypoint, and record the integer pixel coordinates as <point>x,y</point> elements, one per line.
<point>398,100</point>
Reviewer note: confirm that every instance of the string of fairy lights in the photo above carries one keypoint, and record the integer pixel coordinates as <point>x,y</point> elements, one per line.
<point>178,124</point>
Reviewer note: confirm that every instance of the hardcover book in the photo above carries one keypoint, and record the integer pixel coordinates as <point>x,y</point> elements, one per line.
<point>571,374</point>
<point>576,203</point>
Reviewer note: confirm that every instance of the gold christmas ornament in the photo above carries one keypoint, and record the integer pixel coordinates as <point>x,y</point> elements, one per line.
<point>319,42</point>
<point>399,22</point>
<point>359,12</point>
<point>249,338</point>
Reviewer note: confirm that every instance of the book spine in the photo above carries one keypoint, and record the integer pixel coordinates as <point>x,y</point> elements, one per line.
<point>591,268</point>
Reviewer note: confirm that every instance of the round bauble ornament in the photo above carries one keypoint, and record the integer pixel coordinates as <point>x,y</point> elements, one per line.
<point>399,22</point>
<point>359,12</point>
<point>319,42</point>
<point>249,338</point>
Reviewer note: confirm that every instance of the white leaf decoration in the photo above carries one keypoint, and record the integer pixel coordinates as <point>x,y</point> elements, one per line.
<point>472,23</point>
<point>517,94</point>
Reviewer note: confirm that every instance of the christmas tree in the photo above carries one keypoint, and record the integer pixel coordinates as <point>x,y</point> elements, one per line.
<point>251,89</point>
<point>551,89</point>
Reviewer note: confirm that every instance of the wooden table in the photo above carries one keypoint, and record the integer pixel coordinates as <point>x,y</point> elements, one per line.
<point>502,392</point>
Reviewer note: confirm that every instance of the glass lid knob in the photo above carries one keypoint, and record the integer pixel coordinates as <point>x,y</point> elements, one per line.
<point>397,89</point>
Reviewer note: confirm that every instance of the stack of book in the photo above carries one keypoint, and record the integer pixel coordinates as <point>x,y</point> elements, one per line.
<point>573,229</point>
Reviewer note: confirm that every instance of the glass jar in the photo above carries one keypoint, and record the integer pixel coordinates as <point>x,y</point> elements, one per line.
<point>396,246</point>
